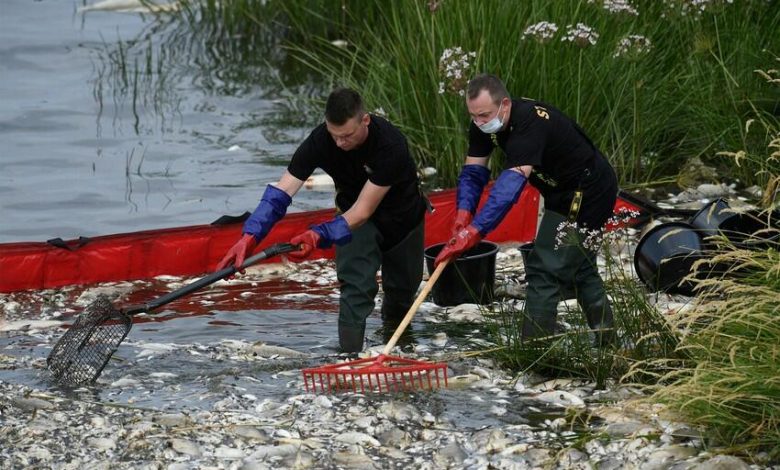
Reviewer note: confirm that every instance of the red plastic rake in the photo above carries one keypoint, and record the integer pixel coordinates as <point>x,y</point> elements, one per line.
<point>383,373</point>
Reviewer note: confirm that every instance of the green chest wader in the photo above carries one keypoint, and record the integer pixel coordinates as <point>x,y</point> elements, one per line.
<point>552,269</point>
<point>357,264</point>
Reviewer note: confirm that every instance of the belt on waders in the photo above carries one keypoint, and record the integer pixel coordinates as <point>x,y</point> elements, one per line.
<point>576,201</point>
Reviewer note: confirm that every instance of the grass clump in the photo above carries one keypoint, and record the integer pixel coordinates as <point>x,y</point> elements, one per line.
<point>640,79</point>
<point>655,83</point>
<point>730,384</point>
<point>643,332</point>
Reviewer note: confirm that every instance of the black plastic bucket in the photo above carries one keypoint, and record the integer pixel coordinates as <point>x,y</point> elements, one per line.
<point>717,218</point>
<point>567,291</point>
<point>470,279</point>
<point>750,229</point>
<point>665,255</point>
<point>710,218</point>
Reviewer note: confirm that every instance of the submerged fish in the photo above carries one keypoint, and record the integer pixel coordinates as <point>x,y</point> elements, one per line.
<point>266,350</point>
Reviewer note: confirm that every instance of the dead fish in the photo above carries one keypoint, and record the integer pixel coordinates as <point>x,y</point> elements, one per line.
<point>26,325</point>
<point>319,182</point>
<point>130,6</point>
<point>561,398</point>
<point>358,438</point>
<point>266,350</point>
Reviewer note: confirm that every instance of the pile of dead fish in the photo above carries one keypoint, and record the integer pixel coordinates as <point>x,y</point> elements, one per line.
<point>253,417</point>
<point>46,429</point>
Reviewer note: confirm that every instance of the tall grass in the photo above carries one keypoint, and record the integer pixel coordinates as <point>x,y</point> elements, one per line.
<point>686,96</point>
<point>730,383</point>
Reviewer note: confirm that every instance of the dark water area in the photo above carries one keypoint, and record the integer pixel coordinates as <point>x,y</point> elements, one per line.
<point>102,131</point>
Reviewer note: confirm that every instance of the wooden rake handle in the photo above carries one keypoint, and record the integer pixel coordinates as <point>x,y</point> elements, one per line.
<point>416,305</point>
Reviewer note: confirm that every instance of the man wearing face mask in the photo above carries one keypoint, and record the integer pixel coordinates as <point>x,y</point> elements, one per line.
<point>380,213</point>
<point>548,149</point>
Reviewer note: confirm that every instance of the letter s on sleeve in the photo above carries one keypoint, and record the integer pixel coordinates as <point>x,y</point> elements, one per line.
<point>541,112</point>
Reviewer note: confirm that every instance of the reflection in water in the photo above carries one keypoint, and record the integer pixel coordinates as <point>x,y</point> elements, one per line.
<point>143,77</point>
<point>146,73</point>
<point>149,122</point>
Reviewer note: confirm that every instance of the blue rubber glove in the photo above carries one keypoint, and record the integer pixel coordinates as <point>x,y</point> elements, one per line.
<point>471,182</point>
<point>333,231</point>
<point>322,236</point>
<point>505,192</point>
<point>273,205</point>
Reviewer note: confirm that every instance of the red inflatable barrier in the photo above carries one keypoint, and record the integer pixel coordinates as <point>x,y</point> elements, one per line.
<point>194,250</point>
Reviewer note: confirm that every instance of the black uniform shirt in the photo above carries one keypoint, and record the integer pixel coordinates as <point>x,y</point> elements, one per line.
<point>384,159</point>
<point>539,135</point>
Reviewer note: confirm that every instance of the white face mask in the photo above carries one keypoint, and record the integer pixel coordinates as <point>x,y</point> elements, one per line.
<point>494,125</point>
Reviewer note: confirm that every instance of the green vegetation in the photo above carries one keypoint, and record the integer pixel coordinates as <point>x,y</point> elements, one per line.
<point>654,84</point>
<point>730,382</point>
<point>644,333</point>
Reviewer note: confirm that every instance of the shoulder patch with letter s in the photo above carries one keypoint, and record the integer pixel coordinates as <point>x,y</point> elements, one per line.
<point>542,112</point>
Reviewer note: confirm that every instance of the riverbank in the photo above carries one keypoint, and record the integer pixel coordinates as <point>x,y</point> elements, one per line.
<point>51,429</point>
<point>174,399</point>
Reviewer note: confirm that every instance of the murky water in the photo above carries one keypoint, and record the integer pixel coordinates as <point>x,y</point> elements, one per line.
<point>85,150</point>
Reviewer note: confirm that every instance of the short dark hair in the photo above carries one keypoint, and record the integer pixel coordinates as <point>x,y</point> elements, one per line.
<point>491,83</point>
<point>343,104</point>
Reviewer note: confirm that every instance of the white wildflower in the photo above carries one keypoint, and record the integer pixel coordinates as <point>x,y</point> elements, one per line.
<point>694,7</point>
<point>620,7</point>
<point>380,111</point>
<point>582,35</point>
<point>455,66</point>
<point>541,32</point>
<point>632,46</point>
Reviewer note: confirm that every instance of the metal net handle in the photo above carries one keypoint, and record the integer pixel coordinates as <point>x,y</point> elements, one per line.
<point>273,250</point>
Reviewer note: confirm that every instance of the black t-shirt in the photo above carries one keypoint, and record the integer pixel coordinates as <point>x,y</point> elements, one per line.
<point>543,137</point>
<point>384,159</point>
<point>563,157</point>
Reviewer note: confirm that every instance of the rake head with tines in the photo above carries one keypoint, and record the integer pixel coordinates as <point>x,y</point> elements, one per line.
<point>376,374</point>
<point>383,373</point>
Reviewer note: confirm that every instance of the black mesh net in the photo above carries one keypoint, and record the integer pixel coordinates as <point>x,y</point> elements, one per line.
<point>83,351</point>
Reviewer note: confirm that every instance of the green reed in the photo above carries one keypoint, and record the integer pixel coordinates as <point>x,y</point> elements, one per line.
<point>643,332</point>
<point>648,111</point>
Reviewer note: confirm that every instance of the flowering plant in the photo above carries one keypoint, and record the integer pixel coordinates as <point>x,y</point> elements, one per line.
<point>454,67</point>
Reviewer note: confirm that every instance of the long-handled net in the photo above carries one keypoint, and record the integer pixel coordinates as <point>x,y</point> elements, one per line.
<point>383,373</point>
<point>84,350</point>
<point>82,353</point>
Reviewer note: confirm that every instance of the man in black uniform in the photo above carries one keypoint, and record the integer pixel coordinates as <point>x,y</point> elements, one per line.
<point>380,213</point>
<point>548,148</point>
